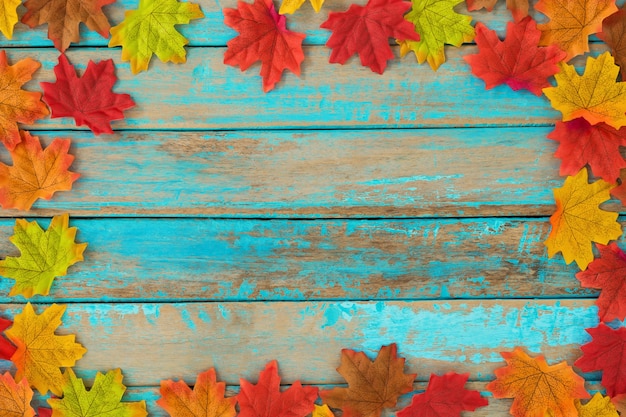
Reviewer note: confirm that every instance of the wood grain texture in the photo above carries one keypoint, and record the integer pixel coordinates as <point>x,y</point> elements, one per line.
<point>205,94</point>
<point>377,173</point>
<point>151,342</point>
<point>251,260</point>
<point>211,31</point>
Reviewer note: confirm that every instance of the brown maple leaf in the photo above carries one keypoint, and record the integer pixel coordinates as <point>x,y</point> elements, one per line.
<point>614,34</point>
<point>64,17</point>
<point>17,105</point>
<point>372,386</point>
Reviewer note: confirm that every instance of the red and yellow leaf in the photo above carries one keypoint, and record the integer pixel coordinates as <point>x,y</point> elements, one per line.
<point>365,30</point>
<point>518,61</point>
<point>17,105</point>
<point>536,387</point>
<point>15,397</point>
<point>64,18</point>
<point>40,352</point>
<point>35,173</point>
<point>578,219</point>
<point>265,399</point>
<point>263,36</point>
<point>372,385</point>
<point>571,22</point>
<point>207,398</point>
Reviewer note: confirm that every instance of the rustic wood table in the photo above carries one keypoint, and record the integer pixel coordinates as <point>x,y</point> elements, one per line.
<point>228,227</point>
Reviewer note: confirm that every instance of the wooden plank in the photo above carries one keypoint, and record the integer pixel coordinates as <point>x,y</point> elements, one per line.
<point>496,407</point>
<point>374,173</point>
<point>205,94</point>
<point>151,342</point>
<point>211,31</point>
<point>247,260</point>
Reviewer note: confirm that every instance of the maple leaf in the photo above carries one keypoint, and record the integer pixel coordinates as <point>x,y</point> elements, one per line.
<point>614,34</point>
<point>290,6</point>
<point>537,387</point>
<point>365,30</point>
<point>15,397</point>
<point>103,399</point>
<point>619,192</point>
<point>6,348</point>
<point>35,173</point>
<point>263,36</point>
<point>8,16</point>
<point>43,255</point>
<point>578,219</point>
<point>64,17</point>
<point>518,61</point>
<point>40,353</point>
<point>619,402</point>
<point>17,105</point>
<point>438,24</point>
<point>206,399</point>
<point>150,29</point>
<point>598,406</point>
<point>597,145</point>
<point>44,412</point>
<point>266,400</point>
<point>595,95</point>
<point>608,273</point>
<point>372,386</point>
<point>445,396</point>
<point>518,8</point>
<point>322,411</point>
<point>606,353</point>
<point>571,22</point>
<point>88,99</point>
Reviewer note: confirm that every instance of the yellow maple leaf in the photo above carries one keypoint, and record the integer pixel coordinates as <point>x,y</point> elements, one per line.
<point>595,96</point>
<point>40,353</point>
<point>290,6</point>
<point>8,16</point>
<point>322,411</point>
<point>578,219</point>
<point>598,406</point>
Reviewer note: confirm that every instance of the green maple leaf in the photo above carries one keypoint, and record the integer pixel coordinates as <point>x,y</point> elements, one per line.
<point>102,400</point>
<point>150,30</point>
<point>44,255</point>
<point>437,24</point>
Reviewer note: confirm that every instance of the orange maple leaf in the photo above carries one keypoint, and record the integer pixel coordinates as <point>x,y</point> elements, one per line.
<point>372,386</point>
<point>596,95</point>
<point>17,105</point>
<point>578,220</point>
<point>571,22</point>
<point>35,173</point>
<point>15,397</point>
<point>206,399</point>
<point>64,17</point>
<point>40,352</point>
<point>538,389</point>
<point>518,8</point>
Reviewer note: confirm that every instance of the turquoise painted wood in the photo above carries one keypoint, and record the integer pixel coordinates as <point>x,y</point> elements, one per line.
<point>250,260</point>
<point>228,227</point>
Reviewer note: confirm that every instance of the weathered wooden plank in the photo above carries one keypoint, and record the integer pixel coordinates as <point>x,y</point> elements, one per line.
<point>151,342</point>
<point>373,173</point>
<point>211,31</point>
<point>206,94</point>
<point>244,260</point>
<point>496,407</point>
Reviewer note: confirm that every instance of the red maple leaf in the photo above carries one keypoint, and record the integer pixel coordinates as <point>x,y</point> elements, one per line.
<point>88,99</point>
<point>606,353</point>
<point>366,30</point>
<point>608,273</point>
<point>518,61</point>
<point>6,348</point>
<point>582,143</point>
<point>263,36</point>
<point>266,400</point>
<point>445,396</point>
